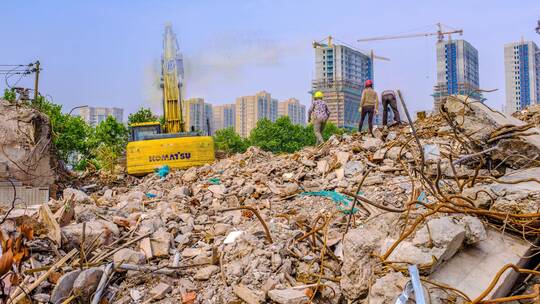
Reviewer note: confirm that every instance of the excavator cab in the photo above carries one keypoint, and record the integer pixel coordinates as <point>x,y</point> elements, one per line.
<point>143,130</point>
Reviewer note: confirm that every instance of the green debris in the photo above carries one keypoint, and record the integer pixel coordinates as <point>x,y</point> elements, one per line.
<point>342,202</point>
<point>214,181</point>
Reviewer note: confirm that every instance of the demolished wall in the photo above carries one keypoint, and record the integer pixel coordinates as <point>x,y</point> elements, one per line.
<point>25,145</point>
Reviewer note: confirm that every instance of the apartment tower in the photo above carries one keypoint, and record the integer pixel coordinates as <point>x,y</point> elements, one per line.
<point>95,115</point>
<point>294,109</point>
<point>457,70</point>
<point>251,109</point>
<point>224,116</point>
<point>522,75</point>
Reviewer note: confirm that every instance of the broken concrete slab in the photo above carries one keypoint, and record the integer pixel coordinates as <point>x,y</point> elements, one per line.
<point>87,282</point>
<point>106,231</point>
<point>475,230</point>
<point>205,273</point>
<point>129,256</point>
<point>247,295</point>
<point>387,288</point>
<point>473,268</point>
<point>288,296</point>
<point>441,231</point>
<point>77,195</point>
<point>64,286</point>
<point>480,121</point>
<point>160,291</point>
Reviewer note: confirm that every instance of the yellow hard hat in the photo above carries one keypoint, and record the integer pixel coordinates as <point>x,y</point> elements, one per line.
<point>318,95</point>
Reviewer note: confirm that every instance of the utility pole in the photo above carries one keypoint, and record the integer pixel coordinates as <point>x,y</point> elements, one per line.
<point>36,81</point>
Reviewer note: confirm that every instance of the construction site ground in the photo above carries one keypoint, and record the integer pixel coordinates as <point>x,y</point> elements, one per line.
<point>450,204</point>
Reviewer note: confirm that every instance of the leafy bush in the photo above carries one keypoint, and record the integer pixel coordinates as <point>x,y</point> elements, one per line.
<point>9,95</point>
<point>229,141</point>
<point>142,115</point>
<point>110,133</point>
<point>80,145</point>
<point>282,136</point>
<point>69,133</point>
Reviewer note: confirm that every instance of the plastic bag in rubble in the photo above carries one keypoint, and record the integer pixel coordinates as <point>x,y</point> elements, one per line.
<point>342,202</point>
<point>214,181</point>
<point>163,171</point>
<point>431,152</point>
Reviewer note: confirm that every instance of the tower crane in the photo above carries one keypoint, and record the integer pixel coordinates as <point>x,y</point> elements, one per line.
<point>439,33</point>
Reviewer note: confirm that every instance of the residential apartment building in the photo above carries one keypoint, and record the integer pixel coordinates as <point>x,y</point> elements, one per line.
<point>95,115</point>
<point>294,109</point>
<point>522,75</point>
<point>195,112</point>
<point>251,109</point>
<point>340,73</point>
<point>208,119</point>
<point>224,116</point>
<point>457,70</point>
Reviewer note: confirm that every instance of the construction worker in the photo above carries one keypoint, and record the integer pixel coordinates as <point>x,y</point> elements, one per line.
<point>369,105</point>
<point>388,98</point>
<point>318,114</point>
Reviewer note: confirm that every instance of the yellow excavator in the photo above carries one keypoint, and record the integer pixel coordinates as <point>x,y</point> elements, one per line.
<point>150,147</point>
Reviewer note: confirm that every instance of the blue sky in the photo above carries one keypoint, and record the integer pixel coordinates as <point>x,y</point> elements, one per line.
<point>106,53</point>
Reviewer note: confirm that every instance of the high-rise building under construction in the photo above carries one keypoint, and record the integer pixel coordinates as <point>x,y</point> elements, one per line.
<point>522,75</point>
<point>340,73</point>
<point>457,70</point>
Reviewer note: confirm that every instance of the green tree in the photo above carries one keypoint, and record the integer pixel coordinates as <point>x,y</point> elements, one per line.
<point>108,141</point>
<point>110,133</point>
<point>69,134</point>
<point>142,115</point>
<point>9,95</point>
<point>280,136</point>
<point>229,141</point>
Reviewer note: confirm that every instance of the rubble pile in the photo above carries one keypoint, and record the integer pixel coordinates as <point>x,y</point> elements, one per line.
<point>330,224</point>
<point>530,115</point>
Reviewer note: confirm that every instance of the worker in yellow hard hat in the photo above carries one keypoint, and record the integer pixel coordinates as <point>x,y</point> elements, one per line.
<point>318,115</point>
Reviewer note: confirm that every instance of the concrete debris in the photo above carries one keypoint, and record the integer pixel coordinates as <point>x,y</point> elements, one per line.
<point>288,296</point>
<point>244,228</point>
<point>128,256</point>
<point>64,286</point>
<point>77,196</point>
<point>87,282</point>
<point>160,291</point>
<point>387,288</point>
<point>247,295</point>
<point>205,273</point>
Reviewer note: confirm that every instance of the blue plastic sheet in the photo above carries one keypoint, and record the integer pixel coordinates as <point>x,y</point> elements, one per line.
<point>214,181</point>
<point>163,171</point>
<point>343,203</point>
<point>150,195</point>
<point>422,198</point>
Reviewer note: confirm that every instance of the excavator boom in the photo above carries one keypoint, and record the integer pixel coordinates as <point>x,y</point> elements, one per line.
<point>172,100</point>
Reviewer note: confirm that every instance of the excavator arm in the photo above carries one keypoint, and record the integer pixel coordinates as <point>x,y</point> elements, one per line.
<point>172,101</point>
